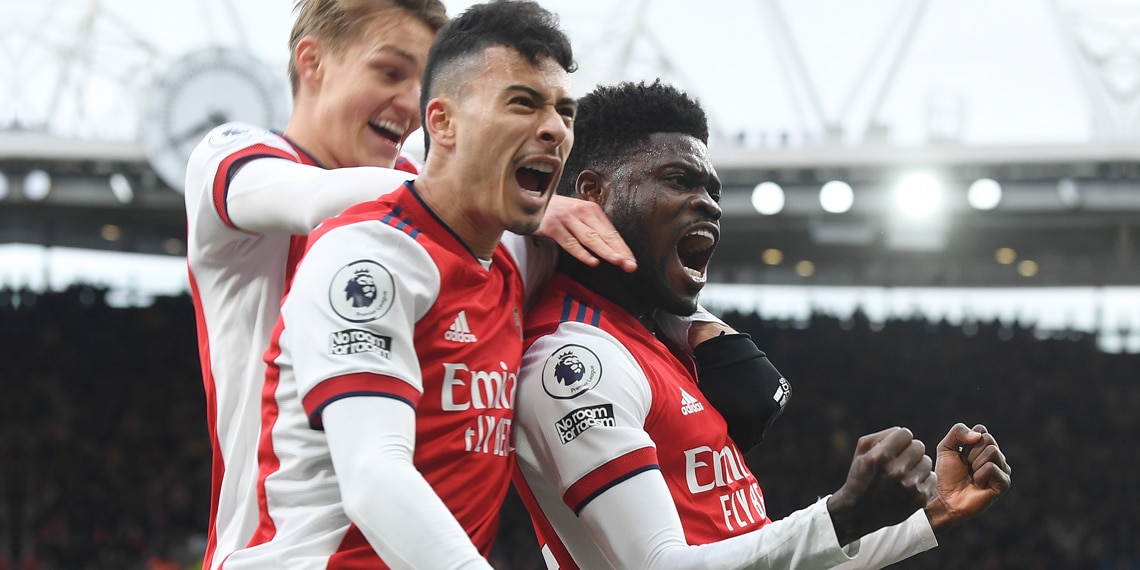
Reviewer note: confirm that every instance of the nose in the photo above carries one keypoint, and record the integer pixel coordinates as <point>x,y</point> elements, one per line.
<point>703,201</point>
<point>554,128</point>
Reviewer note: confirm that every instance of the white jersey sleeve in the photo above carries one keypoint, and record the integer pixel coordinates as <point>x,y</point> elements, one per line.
<point>619,389</point>
<point>371,442</point>
<point>274,195</point>
<point>894,543</point>
<point>250,179</point>
<point>350,316</point>
<point>618,518</point>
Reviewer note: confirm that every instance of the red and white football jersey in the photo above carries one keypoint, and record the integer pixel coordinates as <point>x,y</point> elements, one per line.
<point>387,302</point>
<point>601,400</point>
<point>237,279</point>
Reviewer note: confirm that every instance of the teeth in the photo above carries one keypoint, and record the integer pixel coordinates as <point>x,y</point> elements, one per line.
<point>391,126</point>
<point>541,167</point>
<point>706,242</point>
<point>696,275</point>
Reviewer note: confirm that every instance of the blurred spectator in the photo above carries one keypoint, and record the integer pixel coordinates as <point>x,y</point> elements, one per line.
<point>106,458</point>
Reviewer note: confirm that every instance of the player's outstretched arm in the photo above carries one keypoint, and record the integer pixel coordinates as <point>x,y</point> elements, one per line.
<point>583,230</point>
<point>972,474</point>
<point>273,195</point>
<point>636,526</point>
<point>371,440</point>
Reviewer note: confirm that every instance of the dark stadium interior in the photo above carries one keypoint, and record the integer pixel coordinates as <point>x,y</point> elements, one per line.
<point>107,462</point>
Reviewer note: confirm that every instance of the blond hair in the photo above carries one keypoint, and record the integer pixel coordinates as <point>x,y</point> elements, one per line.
<point>337,23</point>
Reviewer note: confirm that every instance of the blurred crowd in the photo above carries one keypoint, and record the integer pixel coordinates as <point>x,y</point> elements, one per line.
<point>106,460</point>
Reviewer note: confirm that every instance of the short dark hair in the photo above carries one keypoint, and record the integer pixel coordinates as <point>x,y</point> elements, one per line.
<point>521,25</point>
<point>615,120</point>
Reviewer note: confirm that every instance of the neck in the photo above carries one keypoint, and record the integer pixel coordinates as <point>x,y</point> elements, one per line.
<point>613,283</point>
<point>457,209</point>
<point>301,136</point>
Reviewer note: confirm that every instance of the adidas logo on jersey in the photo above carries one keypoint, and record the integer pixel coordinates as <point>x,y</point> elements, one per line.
<point>689,404</point>
<point>459,332</point>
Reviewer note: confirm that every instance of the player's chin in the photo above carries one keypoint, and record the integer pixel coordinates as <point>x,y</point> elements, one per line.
<point>524,224</point>
<point>527,216</point>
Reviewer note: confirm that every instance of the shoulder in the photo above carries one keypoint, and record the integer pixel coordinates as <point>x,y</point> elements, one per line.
<point>362,242</point>
<point>240,139</point>
<point>575,358</point>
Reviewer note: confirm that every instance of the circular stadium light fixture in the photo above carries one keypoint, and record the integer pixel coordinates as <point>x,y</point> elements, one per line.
<point>121,188</point>
<point>1005,255</point>
<point>37,184</point>
<point>836,197</point>
<point>984,194</point>
<point>918,195</point>
<point>111,232</point>
<point>772,256</point>
<point>805,268</point>
<point>1027,268</point>
<point>768,198</point>
<point>1069,192</point>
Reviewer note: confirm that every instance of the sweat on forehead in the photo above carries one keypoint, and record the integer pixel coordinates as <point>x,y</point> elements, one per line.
<point>614,120</point>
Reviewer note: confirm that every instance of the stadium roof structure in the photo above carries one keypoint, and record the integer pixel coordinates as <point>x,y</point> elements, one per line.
<point>1066,215</point>
<point>73,173</point>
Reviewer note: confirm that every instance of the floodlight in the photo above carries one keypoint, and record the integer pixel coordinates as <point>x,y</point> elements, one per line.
<point>121,188</point>
<point>37,184</point>
<point>1005,255</point>
<point>836,197</point>
<point>1069,192</point>
<point>984,194</point>
<point>111,232</point>
<point>768,198</point>
<point>919,195</point>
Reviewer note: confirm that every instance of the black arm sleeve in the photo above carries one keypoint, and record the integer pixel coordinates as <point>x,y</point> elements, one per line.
<point>741,383</point>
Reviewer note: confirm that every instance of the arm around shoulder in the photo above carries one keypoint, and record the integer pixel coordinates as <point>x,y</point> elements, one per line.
<point>274,195</point>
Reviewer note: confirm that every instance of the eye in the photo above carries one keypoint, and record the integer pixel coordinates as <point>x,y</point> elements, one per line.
<point>393,74</point>
<point>523,101</point>
<point>568,112</point>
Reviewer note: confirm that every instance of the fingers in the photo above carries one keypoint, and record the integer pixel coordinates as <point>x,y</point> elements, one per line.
<point>914,471</point>
<point>904,460</point>
<point>897,438</point>
<point>582,229</point>
<point>991,476</point>
<point>958,437</point>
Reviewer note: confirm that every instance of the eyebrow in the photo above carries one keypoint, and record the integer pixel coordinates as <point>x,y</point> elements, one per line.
<point>398,52</point>
<point>693,171</point>
<point>538,95</point>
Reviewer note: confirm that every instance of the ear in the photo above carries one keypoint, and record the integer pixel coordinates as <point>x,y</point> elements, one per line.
<point>307,59</point>
<point>439,121</point>
<point>593,186</point>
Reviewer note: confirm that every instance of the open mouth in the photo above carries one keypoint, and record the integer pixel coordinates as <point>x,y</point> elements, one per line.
<point>535,177</point>
<point>695,250</point>
<point>388,130</point>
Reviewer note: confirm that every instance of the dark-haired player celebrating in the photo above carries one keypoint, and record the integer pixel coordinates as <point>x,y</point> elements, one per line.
<point>623,461</point>
<point>252,196</point>
<point>389,397</point>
